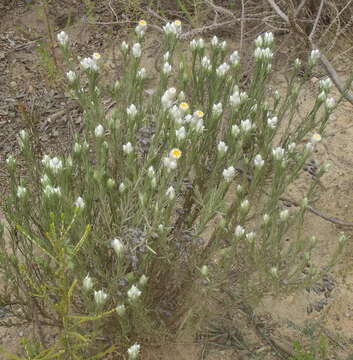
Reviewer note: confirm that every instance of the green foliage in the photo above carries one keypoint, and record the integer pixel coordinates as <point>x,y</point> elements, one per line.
<point>161,197</point>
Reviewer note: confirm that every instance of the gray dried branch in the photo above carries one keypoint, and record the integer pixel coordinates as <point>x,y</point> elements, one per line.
<point>346,93</point>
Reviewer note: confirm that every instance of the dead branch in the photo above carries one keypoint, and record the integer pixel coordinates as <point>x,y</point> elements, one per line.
<point>318,15</point>
<point>346,93</point>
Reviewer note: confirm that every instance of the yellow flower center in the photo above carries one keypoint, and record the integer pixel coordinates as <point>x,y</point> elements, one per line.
<point>177,22</point>
<point>316,138</point>
<point>175,154</point>
<point>142,23</point>
<point>184,106</point>
<point>199,113</point>
<point>96,56</point>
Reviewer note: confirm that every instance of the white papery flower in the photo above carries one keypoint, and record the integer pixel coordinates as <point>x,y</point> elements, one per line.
<point>250,236</point>
<point>121,310</point>
<point>229,174</point>
<point>258,161</point>
<point>217,109</point>
<point>239,231</point>
<point>71,76</point>
<point>141,74</point>
<point>169,163</point>
<point>131,110</point>
<point>133,351</point>
<point>89,64</point>
<point>87,282</point>
<point>50,191</point>
<point>206,63</point>
<point>141,28</point>
<point>118,246</point>
<point>55,164</point>
<point>309,147</point>
<point>180,133</point>
<point>166,56</point>
<point>245,125</point>
<point>124,47</point>
<point>167,68</point>
<point>100,297</point>
<point>222,69</point>
<point>136,50</point>
<point>259,41</point>
<point>234,58</point>
<point>21,192</point>
<point>291,147</point>
<point>134,293</point>
<point>122,187</point>
<point>234,99</point>
<point>235,131</point>
<point>79,203</point>
<point>222,148</point>
<point>127,148</point>
<point>272,122</point>
<point>215,41</point>
<point>244,205</point>
<point>63,38</point>
<point>151,172</point>
<point>314,56</point>
<point>170,193</point>
<point>278,153</point>
<point>99,131</point>
<point>316,138</point>
<point>168,97</point>
<point>223,45</point>
<point>268,39</point>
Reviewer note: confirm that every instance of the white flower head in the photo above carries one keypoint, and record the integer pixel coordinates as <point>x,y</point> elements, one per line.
<point>167,68</point>
<point>151,172</point>
<point>222,69</point>
<point>21,192</point>
<point>118,246</point>
<point>89,64</point>
<point>141,28</point>
<point>229,174</point>
<point>235,131</point>
<point>258,161</point>
<point>124,47</point>
<point>206,63</point>
<point>122,187</point>
<point>166,56</point>
<point>100,297</point>
<point>143,280</point>
<point>79,203</point>
<point>314,56</point>
<point>131,110</point>
<point>141,74</point>
<point>133,351</point>
<point>99,131</point>
<point>170,193</point>
<point>63,38</point>
<point>55,164</point>
<point>50,191</point>
<point>245,125</point>
<point>128,148</point>
<point>234,99</point>
<point>136,50</point>
<point>244,205</point>
<point>134,293</point>
<point>169,163</point>
<point>291,147</point>
<point>239,231</point>
<point>71,76</point>
<point>87,282</point>
<point>234,58</point>
<point>278,153</point>
<point>215,41</point>
<point>316,138</point>
<point>272,122</point>
<point>121,310</point>
<point>180,133</point>
<point>250,236</point>
<point>268,39</point>
<point>222,148</point>
<point>217,109</point>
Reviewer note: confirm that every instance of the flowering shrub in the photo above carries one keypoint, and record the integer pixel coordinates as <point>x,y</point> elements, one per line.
<point>161,198</point>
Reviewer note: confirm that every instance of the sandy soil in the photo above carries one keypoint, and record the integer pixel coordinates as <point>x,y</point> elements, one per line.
<point>329,303</point>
